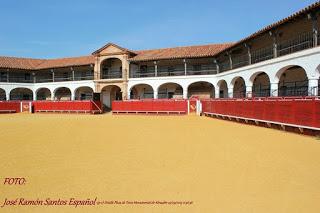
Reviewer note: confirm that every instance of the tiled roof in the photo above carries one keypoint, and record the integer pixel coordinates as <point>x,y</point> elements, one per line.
<point>19,63</point>
<point>180,52</point>
<point>66,62</point>
<point>35,64</point>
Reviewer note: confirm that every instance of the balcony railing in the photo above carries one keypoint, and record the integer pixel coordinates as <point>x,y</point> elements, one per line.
<point>240,61</point>
<point>17,79</point>
<point>142,74</point>
<point>301,42</point>
<point>111,74</point>
<point>262,54</point>
<point>297,88</point>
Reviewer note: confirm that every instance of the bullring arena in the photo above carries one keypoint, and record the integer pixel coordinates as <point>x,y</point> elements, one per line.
<point>230,127</point>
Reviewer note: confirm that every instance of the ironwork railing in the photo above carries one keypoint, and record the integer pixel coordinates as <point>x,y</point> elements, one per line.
<point>240,61</point>
<point>224,66</point>
<point>170,72</point>
<point>300,42</point>
<point>111,74</point>
<point>262,54</point>
<point>296,88</point>
<point>142,74</point>
<point>17,79</point>
<point>261,91</point>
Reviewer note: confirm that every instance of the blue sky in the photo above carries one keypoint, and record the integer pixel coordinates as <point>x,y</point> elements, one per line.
<point>63,28</point>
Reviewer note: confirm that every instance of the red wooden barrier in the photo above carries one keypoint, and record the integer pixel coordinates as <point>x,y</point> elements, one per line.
<point>67,106</point>
<point>155,106</point>
<point>10,106</point>
<point>304,112</point>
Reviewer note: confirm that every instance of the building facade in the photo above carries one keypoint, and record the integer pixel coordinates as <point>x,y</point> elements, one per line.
<point>283,59</point>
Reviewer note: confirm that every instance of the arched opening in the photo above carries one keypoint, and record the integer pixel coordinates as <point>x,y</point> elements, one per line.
<point>3,96</point>
<point>21,94</point>
<point>170,91</point>
<point>141,91</point>
<point>109,94</point>
<point>293,81</point>
<point>223,89</point>
<point>111,68</point>
<point>261,85</point>
<point>239,88</point>
<point>62,94</point>
<point>202,90</point>
<point>43,94</point>
<point>84,93</point>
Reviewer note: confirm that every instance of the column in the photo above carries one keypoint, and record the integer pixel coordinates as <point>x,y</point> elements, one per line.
<point>34,77</point>
<point>230,60</point>
<point>315,29</point>
<point>274,89</point>
<point>185,93</point>
<point>249,53</point>
<point>34,95</point>
<point>313,87</point>
<point>230,92</point>
<point>8,79</point>
<point>215,61</point>
<point>72,70</point>
<point>52,71</point>
<point>155,94</point>
<point>8,95</point>
<point>185,66</point>
<point>249,91</point>
<point>73,95</point>
<point>217,92</point>
<point>155,68</point>
<point>275,45</point>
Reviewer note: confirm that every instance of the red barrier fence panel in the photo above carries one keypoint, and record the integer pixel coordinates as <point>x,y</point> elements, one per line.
<point>296,111</point>
<point>10,106</point>
<point>79,106</point>
<point>151,105</point>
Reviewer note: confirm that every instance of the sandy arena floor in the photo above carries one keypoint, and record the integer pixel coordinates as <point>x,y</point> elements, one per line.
<point>220,166</point>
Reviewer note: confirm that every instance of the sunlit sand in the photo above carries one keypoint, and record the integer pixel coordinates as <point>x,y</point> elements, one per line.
<point>220,166</point>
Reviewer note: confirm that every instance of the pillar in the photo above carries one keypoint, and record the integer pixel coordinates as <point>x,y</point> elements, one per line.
<point>230,61</point>
<point>249,53</point>
<point>8,95</point>
<point>313,87</point>
<point>249,91</point>
<point>185,66</point>
<point>34,95</point>
<point>155,68</point>
<point>275,45</point>
<point>274,87</point>
<point>217,65</point>
<point>185,93</point>
<point>52,71</point>
<point>72,70</point>
<point>313,17</point>
<point>155,94</point>
<point>73,95</point>
<point>8,79</point>
<point>217,92</point>
<point>230,92</point>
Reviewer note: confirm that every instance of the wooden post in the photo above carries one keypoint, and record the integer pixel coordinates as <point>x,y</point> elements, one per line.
<point>155,68</point>
<point>185,66</point>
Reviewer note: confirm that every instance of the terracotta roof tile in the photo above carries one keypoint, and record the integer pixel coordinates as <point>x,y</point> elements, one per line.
<point>19,63</point>
<point>66,62</point>
<point>180,52</point>
<point>36,64</point>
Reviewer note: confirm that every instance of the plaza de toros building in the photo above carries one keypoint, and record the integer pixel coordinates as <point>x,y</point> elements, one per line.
<point>282,59</point>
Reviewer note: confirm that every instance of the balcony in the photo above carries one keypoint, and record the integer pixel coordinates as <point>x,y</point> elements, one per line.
<point>111,74</point>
